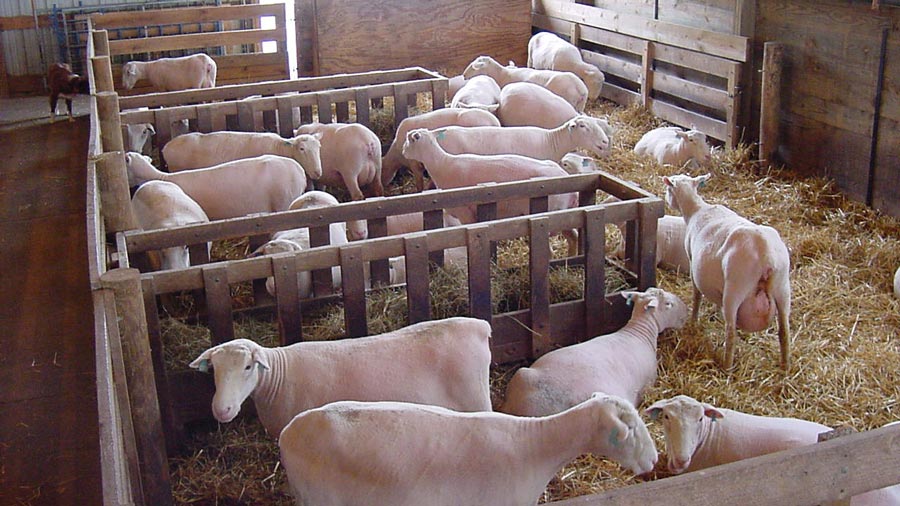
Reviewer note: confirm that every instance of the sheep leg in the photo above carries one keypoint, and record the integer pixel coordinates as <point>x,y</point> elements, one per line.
<point>353,186</point>
<point>571,236</point>
<point>695,312</point>
<point>783,306</point>
<point>731,301</point>
<point>375,187</point>
<point>418,172</point>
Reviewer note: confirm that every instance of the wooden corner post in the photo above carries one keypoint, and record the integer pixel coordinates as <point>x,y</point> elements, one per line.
<point>770,102</point>
<point>138,362</point>
<point>115,200</point>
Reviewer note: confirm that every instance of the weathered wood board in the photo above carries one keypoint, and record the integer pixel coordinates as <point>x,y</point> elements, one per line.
<point>361,35</point>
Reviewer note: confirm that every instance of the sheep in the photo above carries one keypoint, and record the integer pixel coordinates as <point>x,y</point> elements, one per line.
<point>548,51</point>
<point>394,159</point>
<point>66,84</point>
<point>622,363</point>
<point>362,453</point>
<point>573,163</point>
<point>264,184</point>
<point>738,265</point>
<point>161,204</point>
<point>351,156</point>
<point>565,84</point>
<point>581,132</point>
<point>172,74</point>
<point>674,146</point>
<point>454,84</point>
<point>137,135</point>
<point>528,104</point>
<point>441,362</point>
<point>670,252</point>
<point>480,92</point>
<point>298,239</point>
<point>198,150</point>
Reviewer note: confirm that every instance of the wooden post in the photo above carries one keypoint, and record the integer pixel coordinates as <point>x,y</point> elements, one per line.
<point>828,436</point>
<point>647,73</point>
<point>101,42</point>
<point>132,322</point>
<point>770,103</point>
<point>115,200</point>
<point>110,126</point>
<point>103,79</point>
<point>4,78</point>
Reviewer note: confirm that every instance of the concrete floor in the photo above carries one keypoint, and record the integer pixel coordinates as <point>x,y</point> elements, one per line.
<point>30,111</point>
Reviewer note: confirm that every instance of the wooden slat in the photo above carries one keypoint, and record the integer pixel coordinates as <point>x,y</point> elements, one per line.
<point>479,255</point>
<point>187,15</point>
<point>650,213</point>
<point>322,279</point>
<point>728,46</point>
<point>714,128</point>
<point>171,429</point>
<point>218,303</point>
<point>418,295</point>
<point>691,91</point>
<point>539,269</point>
<point>287,299</point>
<point>615,66</point>
<point>285,117</point>
<point>362,107</point>
<point>8,23</point>
<point>595,312</point>
<point>194,40</point>
<point>354,288</point>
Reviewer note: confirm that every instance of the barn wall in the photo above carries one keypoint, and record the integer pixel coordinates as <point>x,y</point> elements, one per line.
<point>362,35</point>
<point>830,87</point>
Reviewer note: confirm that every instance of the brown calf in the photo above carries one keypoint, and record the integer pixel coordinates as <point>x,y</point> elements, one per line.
<point>64,83</point>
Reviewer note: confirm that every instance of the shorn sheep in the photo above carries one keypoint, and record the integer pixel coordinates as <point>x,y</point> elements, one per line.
<point>699,436</point>
<point>674,146</point>
<point>565,84</point>
<point>172,74</point>
<point>622,363</point>
<point>548,51</point>
<point>738,265</point>
<point>351,156</point>
<point>399,454</point>
<point>443,362</point>
<point>161,204</point>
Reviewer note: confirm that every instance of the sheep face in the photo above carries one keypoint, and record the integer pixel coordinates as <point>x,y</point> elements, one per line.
<point>415,143</point>
<point>589,133</point>
<point>697,145</point>
<point>679,185</point>
<point>483,65</point>
<point>306,149</point>
<point>669,311</point>
<point>627,441</point>
<point>129,75</point>
<point>236,366</point>
<point>175,258</point>
<point>682,421</point>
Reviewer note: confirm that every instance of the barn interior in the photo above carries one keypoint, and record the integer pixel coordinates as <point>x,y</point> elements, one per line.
<point>799,100</point>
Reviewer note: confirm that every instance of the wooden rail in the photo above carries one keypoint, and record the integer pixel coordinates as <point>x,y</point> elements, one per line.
<point>687,76</point>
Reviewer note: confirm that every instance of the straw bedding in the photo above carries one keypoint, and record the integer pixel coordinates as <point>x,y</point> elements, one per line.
<point>845,323</point>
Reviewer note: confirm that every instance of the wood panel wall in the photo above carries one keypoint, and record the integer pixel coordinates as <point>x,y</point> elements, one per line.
<point>363,35</point>
<point>840,104</point>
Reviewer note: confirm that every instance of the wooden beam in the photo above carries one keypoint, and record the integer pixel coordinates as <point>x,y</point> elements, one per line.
<point>125,19</point>
<point>4,78</point>
<point>23,22</point>
<point>195,40</point>
<point>770,105</point>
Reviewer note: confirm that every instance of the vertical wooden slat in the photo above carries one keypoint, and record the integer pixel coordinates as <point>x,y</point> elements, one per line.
<point>362,107</point>
<point>306,115</point>
<point>649,213</point>
<point>733,106</point>
<point>342,112</point>
<point>245,115</point>
<point>115,199</point>
<point>322,281</point>
<point>269,121</point>
<point>538,204</point>
<point>162,118</point>
<point>132,321</point>
<point>595,306</point>
<point>354,288</point>
<point>204,120</point>
<point>285,116</point>
<point>218,303</point>
<point>323,105</point>
<point>432,220</point>
<point>198,253</point>
<point>439,90</point>
<point>103,79</point>
<point>171,428</point>
<point>770,105</point>
<point>647,73</point>
<point>287,298</point>
<point>110,125</point>
<point>4,77</point>
<point>539,268</point>
<point>261,296</point>
<point>380,270</point>
<point>418,296</point>
<point>575,34</point>
<point>479,254</point>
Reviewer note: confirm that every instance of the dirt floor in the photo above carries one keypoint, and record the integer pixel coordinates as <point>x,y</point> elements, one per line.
<point>28,111</point>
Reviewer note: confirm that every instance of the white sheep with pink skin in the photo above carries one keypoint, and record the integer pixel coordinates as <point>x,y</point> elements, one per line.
<point>172,74</point>
<point>565,84</point>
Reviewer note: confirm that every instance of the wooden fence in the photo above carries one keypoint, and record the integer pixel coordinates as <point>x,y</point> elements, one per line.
<point>221,31</point>
<point>687,76</point>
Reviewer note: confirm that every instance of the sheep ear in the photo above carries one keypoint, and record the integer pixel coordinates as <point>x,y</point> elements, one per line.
<point>585,162</point>
<point>653,412</point>
<point>654,302</point>
<point>712,413</point>
<point>629,297</point>
<point>201,363</point>
<point>619,433</point>
<point>701,181</point>
<point>681,134</point>
<point>261,361</point>
<point>668,182</point>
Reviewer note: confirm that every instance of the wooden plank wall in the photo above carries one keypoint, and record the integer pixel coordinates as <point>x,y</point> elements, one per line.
<point>686,75</point>
<point>234,66</point>
<point>831,79</point>
<point>362,35</point>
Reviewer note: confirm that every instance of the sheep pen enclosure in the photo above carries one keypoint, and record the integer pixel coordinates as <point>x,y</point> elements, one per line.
<point>845,320</point>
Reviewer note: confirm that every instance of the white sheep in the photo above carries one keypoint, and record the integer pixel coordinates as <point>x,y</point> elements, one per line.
<point>736,264</point>
<point>480,92</point>
<point>459,171</point>
<point>548,51</point>
<point>351,156</point>
<point>443,362</point>
<point>674,146</point>
<point>622,363</point>
<point>454,84</point>
<point>581,132</point>
<point>393,160</point>
<point>359,454</point>
<point>172,74</point>
<point>264,184</point>
<point>161,204</point>
<point>297,239</point>
<point>573,163</point>
<point>198,150</point>
<point>137,135</point>
<point>528,104</point>
<point>670,252</point>
<point>565,84</point>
